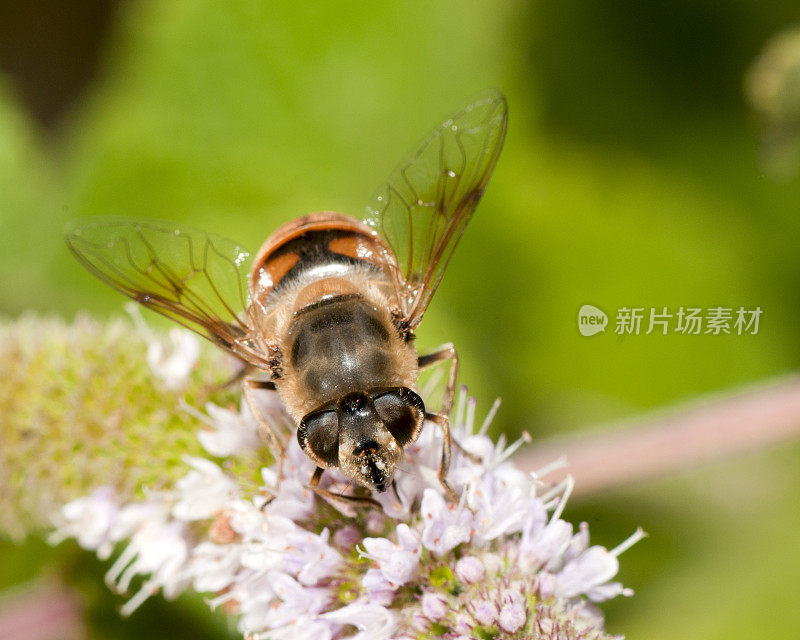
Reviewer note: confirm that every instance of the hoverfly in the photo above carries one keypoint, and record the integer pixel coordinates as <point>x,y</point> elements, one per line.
<point>329,304</point>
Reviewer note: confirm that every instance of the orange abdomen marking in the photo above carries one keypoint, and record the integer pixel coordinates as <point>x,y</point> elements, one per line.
<point>312,242</point>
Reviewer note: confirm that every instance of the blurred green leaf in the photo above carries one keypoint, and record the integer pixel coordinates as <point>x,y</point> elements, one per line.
<point>630,178</point>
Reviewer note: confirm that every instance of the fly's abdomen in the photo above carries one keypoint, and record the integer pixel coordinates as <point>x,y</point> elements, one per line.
<point>321,245</point>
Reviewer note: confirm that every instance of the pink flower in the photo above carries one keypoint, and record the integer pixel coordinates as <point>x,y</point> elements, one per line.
<point>373,621</point>
<point>445,525</point>
<point>175,367</point>
<point>309,557</point>
<point>398,562</point>
<point>90,520</point>
<point>288,563</point>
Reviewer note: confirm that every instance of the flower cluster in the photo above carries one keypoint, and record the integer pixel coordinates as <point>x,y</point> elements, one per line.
<point>90,403</point>
<point>500,563</point>
<point>772,87</point>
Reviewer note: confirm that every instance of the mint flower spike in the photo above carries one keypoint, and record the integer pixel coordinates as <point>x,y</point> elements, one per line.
<point>500,563</point>
<point>86,404</point>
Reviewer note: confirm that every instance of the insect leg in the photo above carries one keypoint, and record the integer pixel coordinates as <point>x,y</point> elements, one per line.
<point>447,352</point>
<point>241,374</point>
<point>236,378</point>
<point>444,465</point>
<point>274,442</point>
<point>330,496</point>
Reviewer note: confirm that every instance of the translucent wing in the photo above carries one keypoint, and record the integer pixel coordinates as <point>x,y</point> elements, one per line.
<point>427,201</point>
<point>192,277</point>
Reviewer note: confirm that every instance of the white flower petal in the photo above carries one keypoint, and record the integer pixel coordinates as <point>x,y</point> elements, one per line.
<point>205,491</point>
<point>588,571</point>
<point>174,367</point>
<point>373,621</point>
<point>445,525</point>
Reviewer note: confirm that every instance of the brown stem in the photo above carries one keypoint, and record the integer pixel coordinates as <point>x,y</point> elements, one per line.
<point>674,440</point>
<point>45,611</point>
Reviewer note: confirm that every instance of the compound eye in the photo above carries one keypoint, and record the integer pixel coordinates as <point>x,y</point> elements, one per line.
<point>403,413</point>
<point>318,435</point>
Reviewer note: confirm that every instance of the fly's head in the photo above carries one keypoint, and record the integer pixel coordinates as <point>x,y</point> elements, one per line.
<point>364,434</point>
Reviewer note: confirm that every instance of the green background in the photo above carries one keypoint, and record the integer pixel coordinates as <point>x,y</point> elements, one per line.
<point>632,176</point>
